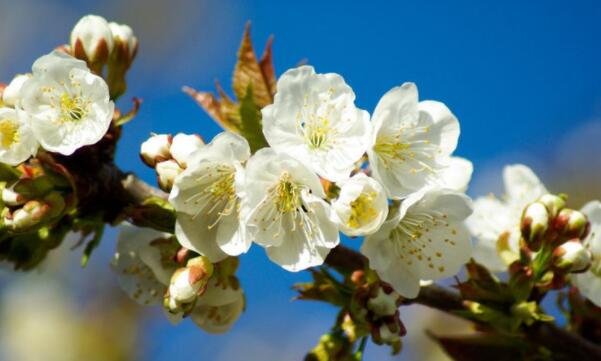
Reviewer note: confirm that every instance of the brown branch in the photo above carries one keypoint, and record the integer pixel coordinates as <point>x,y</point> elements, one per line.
<point>555,339</point>
<point>548,335</point>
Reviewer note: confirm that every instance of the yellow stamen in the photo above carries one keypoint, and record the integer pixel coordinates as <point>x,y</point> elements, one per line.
<point>9,133</point>
<point>362,211</point>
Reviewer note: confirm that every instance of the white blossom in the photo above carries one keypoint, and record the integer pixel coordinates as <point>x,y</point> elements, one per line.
<point>589,283</point>
<point>66,105</point>
<point>412,142</point>
<point>361,207</point>
<point>285,211</point>
<point>218,308</point>
<point>206,197</point>
<point>12,92</point>
<point>494,217</point>
<point>425,239</point>
<point>184,146</point>
<point>17,142</point>
<point>314,119</point>
<point>94,36</point>
<point>144,263</point>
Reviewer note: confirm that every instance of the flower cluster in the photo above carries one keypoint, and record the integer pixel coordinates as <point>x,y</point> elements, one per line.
<point>149,266</point>
<point>529,225</point>
<point>298,164</point>
<point>328,168</point>
<point>64,103</point>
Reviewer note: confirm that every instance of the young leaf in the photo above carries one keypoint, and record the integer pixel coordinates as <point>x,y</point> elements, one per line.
<point>251,127</point>
<point>248,72</point>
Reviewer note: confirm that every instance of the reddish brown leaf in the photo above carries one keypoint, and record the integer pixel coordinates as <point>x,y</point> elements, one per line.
<point>267,68</point>
<point>248,71</point>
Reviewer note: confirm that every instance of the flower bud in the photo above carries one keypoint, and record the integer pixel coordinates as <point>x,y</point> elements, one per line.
<point>123,37</point>
<point>535,222</point>
<point>122,56</point>
<point>571,223</point>
<point>167,171</point>
<point>92,40</point>
<point>385,302</point>
<point>156,149</point>
<point>572,257</point>
<point>31,214</point>
<point>553,203</point>
<point>188,282</point>
<point>11,93</point>
<point>12,198</point>
<point>183,146</point>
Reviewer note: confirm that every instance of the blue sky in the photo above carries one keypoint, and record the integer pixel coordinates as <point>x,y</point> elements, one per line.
<point>521,76</point>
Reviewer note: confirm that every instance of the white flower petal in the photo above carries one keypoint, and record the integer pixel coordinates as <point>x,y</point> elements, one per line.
<point>196,235</point>
<point>207,199</point>
<point>458,174</point>
<point>12,93</point>
<point>65,104</point>
<point>17,142</point>
<point>412,142</point>
<point>285,212</point>
<point>522,185</point>
<point>361,207</point>
<point>141,272</point>
<point>492,217</point>
<point>426,240</point>
<point>218,308</point>
<point>314,119</point>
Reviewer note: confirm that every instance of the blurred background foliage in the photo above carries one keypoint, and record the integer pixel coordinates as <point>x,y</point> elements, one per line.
<point>523,78</point>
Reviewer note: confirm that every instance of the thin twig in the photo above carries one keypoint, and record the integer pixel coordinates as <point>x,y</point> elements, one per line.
<point>555,339</point>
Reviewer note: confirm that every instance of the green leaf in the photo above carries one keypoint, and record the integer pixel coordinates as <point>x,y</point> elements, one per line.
<point>251,127</point>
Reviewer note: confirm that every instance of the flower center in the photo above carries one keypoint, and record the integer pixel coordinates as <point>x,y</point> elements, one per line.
<point>287,193</point>
<point>218,196</point>
<point>317,133</point>
<point>73,108</point>
<point>406,147</point>
<point>9,133</point>
<point>362,211</point>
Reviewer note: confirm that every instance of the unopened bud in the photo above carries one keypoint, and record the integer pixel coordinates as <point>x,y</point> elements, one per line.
<point>156,149</point>
<point>12,92</point>
<point>385,302</point>
<point>122,56</point>
<point>553,203</point>
<point>571,223</point>
<point>123,37</point>
<point>183,146</point>
<point>188,282</point>
<point>31,214</point>
<point>572,257</point>
<point>167,171</point>
<point>92,40</point>
<point>12,198</point>
<point>535,222</point>
<point>387,336</point>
